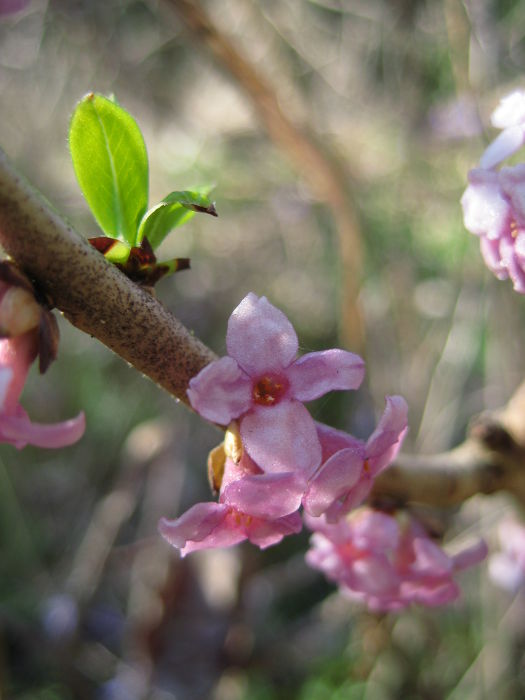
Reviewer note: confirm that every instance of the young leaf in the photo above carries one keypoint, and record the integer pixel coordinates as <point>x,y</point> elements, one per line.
<point>173,211</point>
<point>111,165</point>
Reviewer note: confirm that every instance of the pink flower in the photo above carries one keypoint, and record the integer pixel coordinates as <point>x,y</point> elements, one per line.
<point>16,356</point>
<point>494,209</point>
<point>252,505</point>
<point>507,567</point>
<point>349,465</point>
<point>263,385</point>
<point>386,563</point>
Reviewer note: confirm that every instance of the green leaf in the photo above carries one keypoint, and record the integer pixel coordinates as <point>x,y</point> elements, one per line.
<point>111,165</point>
<point>173,211</point>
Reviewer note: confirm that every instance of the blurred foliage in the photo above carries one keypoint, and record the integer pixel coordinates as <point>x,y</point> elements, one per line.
<point>92,603</point>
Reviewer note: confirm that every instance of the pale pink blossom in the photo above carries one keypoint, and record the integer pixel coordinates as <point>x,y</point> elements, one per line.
<point>385,562</point>
<point>507,566</point>
<point>349,466</point>
<point>263,385</point>
<point>494,209</point>
<point>254,506</point>
<point>16,356</point>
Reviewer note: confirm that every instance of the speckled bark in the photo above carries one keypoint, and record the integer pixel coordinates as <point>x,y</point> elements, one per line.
<point>95,296</point>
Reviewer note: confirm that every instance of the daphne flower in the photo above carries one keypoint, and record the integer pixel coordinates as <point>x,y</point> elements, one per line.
<point>252,505</point>
<point>494,209</point>
<point>386,563</point>
<point>16,356</point>
<point>349,466</point>
<point>507,567</point>
<point>263,385</point>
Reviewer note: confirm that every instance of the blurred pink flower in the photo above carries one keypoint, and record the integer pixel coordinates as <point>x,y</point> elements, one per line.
<point>386,563</point>
<point>9,7</point>
<point>263,385</point>
<point>494,209</point>
<point>349,466</point>
<point>252,505</point>
<point>16,356</point>
<point>507,567</point>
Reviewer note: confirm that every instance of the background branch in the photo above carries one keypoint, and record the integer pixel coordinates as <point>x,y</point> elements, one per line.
<point>320,171</point>
<point>491,459</point>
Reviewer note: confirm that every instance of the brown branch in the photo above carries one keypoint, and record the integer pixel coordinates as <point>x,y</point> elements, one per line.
<point>92,294</point>
<point>324,176</point>
<point>491,459</point>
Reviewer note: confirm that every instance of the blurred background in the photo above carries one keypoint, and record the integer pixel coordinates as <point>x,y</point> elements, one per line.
<point>338,135</point>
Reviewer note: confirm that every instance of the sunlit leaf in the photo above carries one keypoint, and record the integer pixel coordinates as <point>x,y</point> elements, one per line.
<point>174,210</point>
<point>111,164</point>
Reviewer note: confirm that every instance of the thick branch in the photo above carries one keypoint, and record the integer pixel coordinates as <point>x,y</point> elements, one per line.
<point>94,295</point>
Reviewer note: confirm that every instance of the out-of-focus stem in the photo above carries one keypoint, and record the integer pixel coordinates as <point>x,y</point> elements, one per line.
<point>94,295</point>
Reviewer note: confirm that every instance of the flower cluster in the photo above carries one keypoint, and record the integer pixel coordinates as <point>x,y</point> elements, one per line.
<point>494,202</point>
<point>387,562</point>
<point>276,460</point>
<point>26,331</point>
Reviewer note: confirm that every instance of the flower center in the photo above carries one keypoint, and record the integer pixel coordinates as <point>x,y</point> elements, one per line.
<point>269,390</point>
<point>513,228</point>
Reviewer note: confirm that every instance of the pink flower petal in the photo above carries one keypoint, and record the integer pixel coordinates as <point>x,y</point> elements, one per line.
<point>510,111</point>
<point>512,263</point>
<point>470,556</point>
<point>267,496</point>
<point>375,530</point>
<point>490,250</point>
<point>506,144</point>
<point>203,525</point>
<point>260,337</point>
<point>486,211</point>
<point>282,438</point>
<point>333,440</point>
<point>18,354</point>
<point>265,533</point>
<point>372,574</point>
<point>317,373</point>
<point>353,499</point>
<point>428,593</point>
<point>385,442</point>
<point>221,391</point>
<point>335,478</point>
<point>430,560</point>
<point>20,431</point>
<point>512,182</point>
